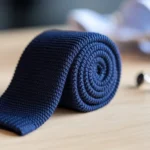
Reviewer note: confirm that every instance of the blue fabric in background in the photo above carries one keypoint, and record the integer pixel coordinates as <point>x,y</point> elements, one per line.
<point>76,70</point>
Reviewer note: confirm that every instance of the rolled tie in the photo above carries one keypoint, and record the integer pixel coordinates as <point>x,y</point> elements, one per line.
<point>76,70</point>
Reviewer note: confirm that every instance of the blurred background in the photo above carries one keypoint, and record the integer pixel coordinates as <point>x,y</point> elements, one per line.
<point>127,22</point>
<point>27,13</point>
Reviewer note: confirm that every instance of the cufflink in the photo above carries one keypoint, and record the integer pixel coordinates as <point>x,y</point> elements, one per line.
<point>142,79</point>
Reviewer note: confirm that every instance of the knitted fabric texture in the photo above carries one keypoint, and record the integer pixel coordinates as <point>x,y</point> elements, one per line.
<point>76,70</point>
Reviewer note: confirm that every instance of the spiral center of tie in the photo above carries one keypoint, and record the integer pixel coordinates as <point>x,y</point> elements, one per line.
<point>98,69</point>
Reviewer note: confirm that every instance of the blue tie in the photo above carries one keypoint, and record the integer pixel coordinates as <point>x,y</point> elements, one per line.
<point>75,70</point>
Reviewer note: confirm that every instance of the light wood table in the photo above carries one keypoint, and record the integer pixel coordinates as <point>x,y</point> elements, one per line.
<point>124,124</point>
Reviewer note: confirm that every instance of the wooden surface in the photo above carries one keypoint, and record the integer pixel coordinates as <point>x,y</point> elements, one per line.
<point>124,124</point>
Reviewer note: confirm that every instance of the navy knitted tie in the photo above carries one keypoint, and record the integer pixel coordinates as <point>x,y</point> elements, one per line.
<point>77,70</point>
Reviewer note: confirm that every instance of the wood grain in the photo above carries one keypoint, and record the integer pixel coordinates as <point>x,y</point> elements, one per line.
<point>124,124</point>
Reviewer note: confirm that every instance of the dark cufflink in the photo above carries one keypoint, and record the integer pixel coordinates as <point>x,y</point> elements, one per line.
<point>142,79</point>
